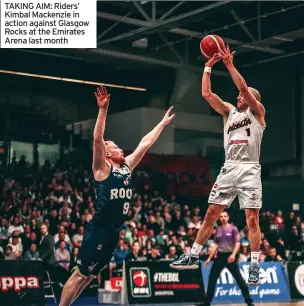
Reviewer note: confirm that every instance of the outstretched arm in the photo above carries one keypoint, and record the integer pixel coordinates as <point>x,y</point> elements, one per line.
<point>99,147</point>
<point>214,100</point>
<point>133,159</point>
<point>241,84</point>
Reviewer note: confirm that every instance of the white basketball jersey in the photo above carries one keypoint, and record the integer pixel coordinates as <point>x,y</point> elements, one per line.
<point>242,137</point>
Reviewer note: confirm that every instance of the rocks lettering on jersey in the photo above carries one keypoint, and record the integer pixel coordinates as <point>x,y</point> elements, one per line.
<point>121,193</point>
<point>238,125</point>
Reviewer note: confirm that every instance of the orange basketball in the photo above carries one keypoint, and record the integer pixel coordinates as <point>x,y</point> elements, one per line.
<point>210,45</point>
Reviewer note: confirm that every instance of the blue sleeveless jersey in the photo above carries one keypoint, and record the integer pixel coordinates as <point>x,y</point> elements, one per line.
<point>113,199</point>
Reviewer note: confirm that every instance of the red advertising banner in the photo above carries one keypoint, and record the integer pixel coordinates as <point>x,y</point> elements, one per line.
<point>176,175</point>
<point>116,283</point>
<point>21,283</point>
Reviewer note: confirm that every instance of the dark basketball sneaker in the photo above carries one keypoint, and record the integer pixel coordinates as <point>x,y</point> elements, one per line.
<point>186,262</point>
<point>254,274</point>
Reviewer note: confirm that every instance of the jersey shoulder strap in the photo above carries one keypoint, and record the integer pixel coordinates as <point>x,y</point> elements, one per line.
<point>107,178</point>
<point>255,120</point>
<point>231,113</point>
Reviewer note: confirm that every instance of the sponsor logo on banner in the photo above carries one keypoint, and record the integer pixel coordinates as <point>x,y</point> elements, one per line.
<point>161,284</point>
<point>140,282</point>
<point>268,275</point>
<point>299,279</point>
<point>296,279</point>
<point>116,283</point>
<point>18,282</point>
<point>164,293</point>
<point>21,282</point>
<point>273,285</point>
<point>166,277</point>
<point>168,283</point>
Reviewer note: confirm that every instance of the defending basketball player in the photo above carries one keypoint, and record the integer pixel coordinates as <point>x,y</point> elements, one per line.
<point>241,174</point>
<point>112,174</point>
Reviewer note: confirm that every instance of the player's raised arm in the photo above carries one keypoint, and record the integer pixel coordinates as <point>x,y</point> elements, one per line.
<point>99,148</point>
<point>251,95</point>
<point>147,141</point>
<point>214,100</point>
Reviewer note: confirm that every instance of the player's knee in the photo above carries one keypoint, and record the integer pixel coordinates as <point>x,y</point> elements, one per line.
<point>211,215</point>
<point>208,217</point>
<point>252,222</point>
<point>89,280</point>
<point>77,277</point>
<point>78,280</point>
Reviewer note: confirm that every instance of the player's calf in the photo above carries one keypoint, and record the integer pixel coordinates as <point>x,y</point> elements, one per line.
<point>190,261</point>
<point>71,288</point>
<point>82,287</point>
<point>252,219</point>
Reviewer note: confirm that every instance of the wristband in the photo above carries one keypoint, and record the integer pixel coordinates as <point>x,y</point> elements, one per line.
<point>207,69</point>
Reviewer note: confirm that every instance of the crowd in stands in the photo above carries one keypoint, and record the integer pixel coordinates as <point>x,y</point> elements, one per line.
<point>44,211</point>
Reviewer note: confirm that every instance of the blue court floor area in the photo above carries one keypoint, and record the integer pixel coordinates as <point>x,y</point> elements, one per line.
<point>92,301</point>
<point>85,301</point>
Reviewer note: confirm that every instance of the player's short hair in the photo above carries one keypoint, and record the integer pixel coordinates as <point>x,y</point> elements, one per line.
<point>108,141</point>
<point>256,93</point>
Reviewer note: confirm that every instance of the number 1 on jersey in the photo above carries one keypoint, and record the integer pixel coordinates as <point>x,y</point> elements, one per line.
<point>126,208</point>
<point>248,132</point>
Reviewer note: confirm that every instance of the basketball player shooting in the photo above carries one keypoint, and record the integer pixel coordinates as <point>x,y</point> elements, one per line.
<point>112,175</point>
<point>241,174</point>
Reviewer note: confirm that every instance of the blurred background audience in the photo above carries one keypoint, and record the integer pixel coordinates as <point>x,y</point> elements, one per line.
<point>45,209</point>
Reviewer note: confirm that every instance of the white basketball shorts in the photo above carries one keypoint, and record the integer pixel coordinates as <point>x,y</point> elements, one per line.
<point>238,179</point>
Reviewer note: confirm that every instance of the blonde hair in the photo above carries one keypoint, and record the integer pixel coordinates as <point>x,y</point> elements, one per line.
<point>107,142</point>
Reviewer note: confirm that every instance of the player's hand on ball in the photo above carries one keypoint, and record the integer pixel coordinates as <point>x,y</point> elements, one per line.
<point>168,117</point>
<point>102,97</point>
<point>231,259</point>
<point>227,56</point>
<point>213,60</point>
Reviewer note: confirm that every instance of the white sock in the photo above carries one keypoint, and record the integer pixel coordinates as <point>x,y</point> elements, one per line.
<point>255,256</point>
<point>196,249</point>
